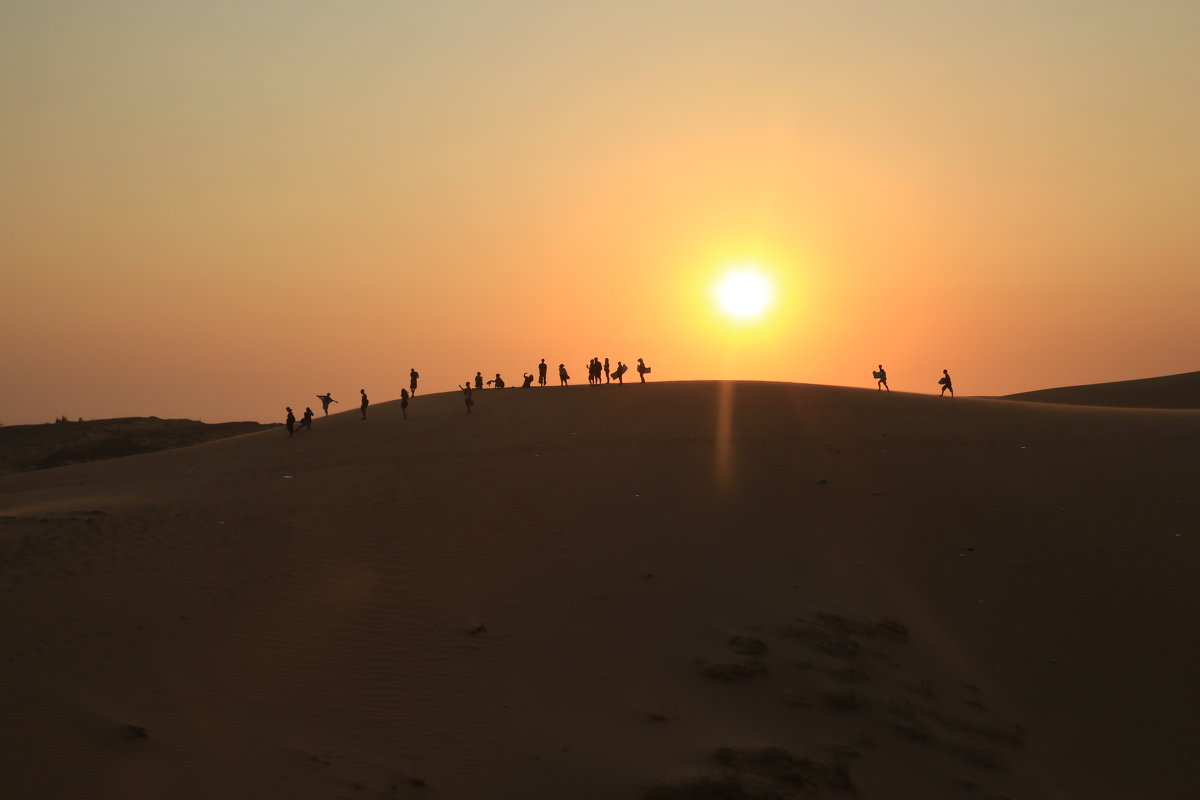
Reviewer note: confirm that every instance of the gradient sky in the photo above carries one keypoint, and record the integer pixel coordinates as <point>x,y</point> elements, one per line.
<point>213,210</point>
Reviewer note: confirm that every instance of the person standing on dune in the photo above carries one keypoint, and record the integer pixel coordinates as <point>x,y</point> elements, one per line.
<point>946,385</point>
<point>306,419</point>
<point>290,422</point>
<point>326,399</point>
<point>466,389</point>
<point>365,403</point>
<point>607,379</point>
<point>563,377</point>
<point>404,402</point>
<point>412,381</point>
<point>542,373</point>
<point>881,379</point>
<point>642,369</point>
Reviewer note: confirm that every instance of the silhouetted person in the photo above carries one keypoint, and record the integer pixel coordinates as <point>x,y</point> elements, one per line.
<point>528,381</point>
<point>326,399</point>
<point>290,422</point>
<point>365,402</point>
<point>946,385</point>
<point>642,370</point>
<point>881,379</point>
<point>498,382</point>
<point>607,379</point>
<point>542,373</point>
<point>466,388</point>
<point>412,381</point>
<point>479,381</point>
<point>404,402</point>
<point>619,373</point>
<point>563,377</point>
<point>306,419</point>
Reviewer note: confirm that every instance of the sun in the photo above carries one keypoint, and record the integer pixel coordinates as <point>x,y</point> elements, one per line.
<point>744,293</point>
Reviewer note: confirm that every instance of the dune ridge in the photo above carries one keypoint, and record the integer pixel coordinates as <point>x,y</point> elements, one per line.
<point>27,447</point>
<point>1167,391</point>
<point>658,591</point>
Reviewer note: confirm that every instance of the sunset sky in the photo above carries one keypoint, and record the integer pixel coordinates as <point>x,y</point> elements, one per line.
<point>213,210</point>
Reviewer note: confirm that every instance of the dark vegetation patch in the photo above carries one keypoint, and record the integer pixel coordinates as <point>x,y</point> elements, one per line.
<point>882,629</point>
<point>778,766</point>
<point>734,671</point>
<point>30,447</point>
<point>748,645</point>
<point>710,788</point>
<point>848,700</point>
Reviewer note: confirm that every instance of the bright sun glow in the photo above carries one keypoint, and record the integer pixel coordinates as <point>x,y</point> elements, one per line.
<point>744,293</point>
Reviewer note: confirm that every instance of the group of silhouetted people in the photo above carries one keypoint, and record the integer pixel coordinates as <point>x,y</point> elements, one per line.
<point>327,399</point>
<point>595,369</point>
<point>881,383</point>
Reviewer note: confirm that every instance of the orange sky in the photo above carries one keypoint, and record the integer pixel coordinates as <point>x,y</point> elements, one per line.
<point>214,212</point>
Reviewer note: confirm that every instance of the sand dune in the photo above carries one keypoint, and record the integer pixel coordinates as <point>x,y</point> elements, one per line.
<point>25,447</point>
<point>660,591</point>
<point>1168,391</point>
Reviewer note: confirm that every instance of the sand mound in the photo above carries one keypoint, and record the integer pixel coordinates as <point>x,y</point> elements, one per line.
<point>26,447</point>
<point>661,591</point>
<point>1169,391</point>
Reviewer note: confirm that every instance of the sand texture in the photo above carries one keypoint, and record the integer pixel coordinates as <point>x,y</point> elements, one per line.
<point>688,590</point>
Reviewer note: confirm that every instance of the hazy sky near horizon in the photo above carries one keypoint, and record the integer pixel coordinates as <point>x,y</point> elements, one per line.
<point>214,210</point>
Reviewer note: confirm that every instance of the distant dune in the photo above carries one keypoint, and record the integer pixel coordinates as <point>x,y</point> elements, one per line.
<point>678,590</point>
<point>1170,391</point>
<point>25,447</point>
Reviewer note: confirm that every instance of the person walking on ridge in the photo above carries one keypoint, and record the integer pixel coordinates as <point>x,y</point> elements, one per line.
<point>542,373</point>
<point>404,402</point>
<point>563,377</point>
<point>946,384</point>
<point>326,399</point>
<point>290,422</point>
<point>642,370</point>
<point>365,403</point>
<point>412,381</point>
<point>306,419</point>
<point>881,379</point>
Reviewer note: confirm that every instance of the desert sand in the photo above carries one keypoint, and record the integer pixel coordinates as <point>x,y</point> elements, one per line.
<point>660,591</point>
